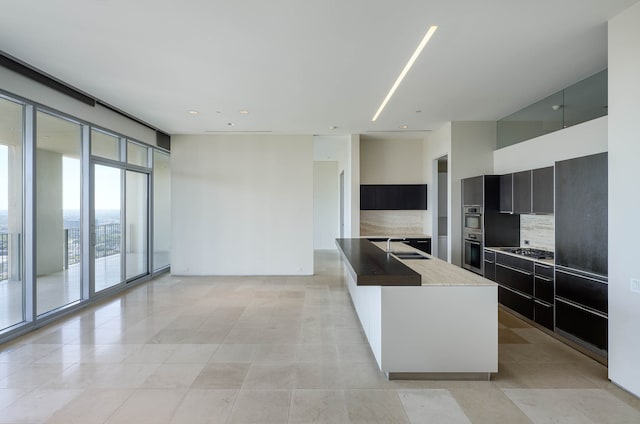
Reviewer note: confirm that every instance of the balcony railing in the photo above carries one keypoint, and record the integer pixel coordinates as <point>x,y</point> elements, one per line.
<point>4,256</point>
<point>108,241</point>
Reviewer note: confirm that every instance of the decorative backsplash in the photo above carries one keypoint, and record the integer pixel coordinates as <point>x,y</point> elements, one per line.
<point>539,230</point>
<point>391,223</point>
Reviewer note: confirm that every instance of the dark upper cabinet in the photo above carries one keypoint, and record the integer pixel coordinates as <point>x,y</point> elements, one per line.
<point>527,192</point>
<point>473,190</point>
<point>506,193</point>
<point>393,197</point>
<point>542,190</point>
<point>581,213</point>
<point>522,192</point>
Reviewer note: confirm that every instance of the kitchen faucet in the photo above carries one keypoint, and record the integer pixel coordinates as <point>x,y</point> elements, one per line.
<point>389,242</point>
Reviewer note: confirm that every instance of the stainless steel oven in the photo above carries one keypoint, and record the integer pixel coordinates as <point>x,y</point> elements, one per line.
<point>472,252</point>
<point>472,219</point>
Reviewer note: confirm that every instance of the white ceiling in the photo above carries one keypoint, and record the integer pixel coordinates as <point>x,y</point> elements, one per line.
<point>303,66</point>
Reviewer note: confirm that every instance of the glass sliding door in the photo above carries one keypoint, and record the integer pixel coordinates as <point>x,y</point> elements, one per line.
<point>161,210</point>
<point>107,228</point>
<point>137,230</point>
<point>12,290</point>
<point>58,199</point>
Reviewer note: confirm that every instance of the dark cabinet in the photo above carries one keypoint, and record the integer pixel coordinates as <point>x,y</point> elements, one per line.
<point>543,293</point>
<point>527,192</point>
<point>526,287</point>
<point>581,307</point>
<point>506,193</point>
<point>543,313</point>
<point>514,278</point>
<point>514,273</point>
<point>522,192</point>
<point>516,301</point>
<point>393,197</point>
<point>542,190</point>
<point>543,283</point>
<point>473,191</point>
<point>490,265</point>
<point>585,325</point>
<point>581,213</point>
<point>423,244</point>
<point>582,290</point>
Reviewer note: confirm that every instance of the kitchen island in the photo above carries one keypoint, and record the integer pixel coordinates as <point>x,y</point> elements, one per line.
<point>423,318</point>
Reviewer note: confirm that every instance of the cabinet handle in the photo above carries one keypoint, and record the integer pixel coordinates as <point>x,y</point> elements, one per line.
<point>599,280</point>
<point>516,292</point>
<point>578,306</point>
<point>548,280</point>
<point>545,304</point>
<point>488,261</point>
<point>515,269</point>
<point>472,242</point>
<point>543,266</point>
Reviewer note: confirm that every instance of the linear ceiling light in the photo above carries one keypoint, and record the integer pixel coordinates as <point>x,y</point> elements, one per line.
<point>408,66</point>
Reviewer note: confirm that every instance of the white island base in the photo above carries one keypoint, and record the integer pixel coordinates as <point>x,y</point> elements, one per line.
<point>430,332</point>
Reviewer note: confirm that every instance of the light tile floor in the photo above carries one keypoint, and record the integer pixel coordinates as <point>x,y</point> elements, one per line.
<point>275,350</point>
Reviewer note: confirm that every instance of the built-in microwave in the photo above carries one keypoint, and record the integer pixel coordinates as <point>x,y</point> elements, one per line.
<point>472,218</point>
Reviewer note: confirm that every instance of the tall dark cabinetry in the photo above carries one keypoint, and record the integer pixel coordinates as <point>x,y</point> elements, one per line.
<point>581,249</point>
<point>581,214</point>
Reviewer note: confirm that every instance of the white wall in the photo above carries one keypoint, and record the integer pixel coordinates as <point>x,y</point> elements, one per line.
<point>624,198</point>
<point>436,145</point>
<point>326,204</point>
<point>344,150</point>
<point>242,205</point>
<point>391,161</point>
<point>352,183</point>
<point>472,147</point>
<point>579,140</point>
<point>385,160</point>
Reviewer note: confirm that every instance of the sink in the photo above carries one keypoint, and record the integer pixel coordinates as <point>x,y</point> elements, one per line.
<point>409,255</point>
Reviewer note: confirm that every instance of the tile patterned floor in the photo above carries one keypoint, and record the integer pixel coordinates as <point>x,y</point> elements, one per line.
<point>275,350</point>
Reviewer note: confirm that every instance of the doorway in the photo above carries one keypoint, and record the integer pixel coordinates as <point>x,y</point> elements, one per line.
<point>120,225</point>
<point>441,209</point>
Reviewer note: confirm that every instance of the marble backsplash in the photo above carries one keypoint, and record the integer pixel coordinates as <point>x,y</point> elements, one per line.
<point>539,230</point>
<point>388,223</point>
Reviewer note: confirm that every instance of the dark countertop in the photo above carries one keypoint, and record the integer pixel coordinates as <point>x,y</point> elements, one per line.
<point>371,266</point>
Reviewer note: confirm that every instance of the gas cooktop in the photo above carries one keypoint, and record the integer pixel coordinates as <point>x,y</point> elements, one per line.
<point>529,252</point>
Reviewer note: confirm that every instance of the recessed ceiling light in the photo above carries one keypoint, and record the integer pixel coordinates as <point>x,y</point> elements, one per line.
<point>333,127</point>
<point>404,126</point>
<point>244,112</point>
<point>418,111</point>
<point>217,111</point>
<point>408,66</point>
<point>193,112</point>
<point>230,124</point>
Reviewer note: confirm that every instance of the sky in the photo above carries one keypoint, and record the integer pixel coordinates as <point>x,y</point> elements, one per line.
<point>107,184</point>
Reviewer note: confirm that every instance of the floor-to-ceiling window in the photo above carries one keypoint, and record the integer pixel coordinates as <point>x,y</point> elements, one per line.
<point>107,228</point>
<point>75,212</point>
<point>58,204</point>
<point>161,210</point>
<point>137,232</point>
<point>12,288</point>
